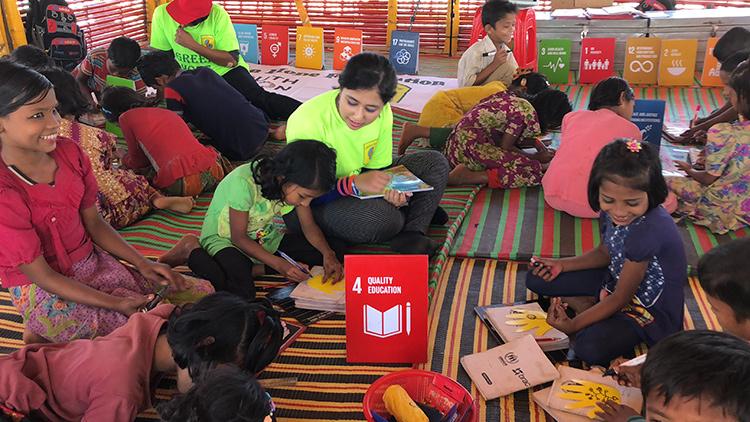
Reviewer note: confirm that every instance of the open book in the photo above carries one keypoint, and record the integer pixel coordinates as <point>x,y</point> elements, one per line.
<point>383,324</point>
<point>511,322</point>
<point>402,180</point>
<point>314,294</point>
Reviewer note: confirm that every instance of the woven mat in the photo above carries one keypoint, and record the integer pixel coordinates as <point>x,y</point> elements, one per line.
<point>455,331</point>
<point>517,224</point>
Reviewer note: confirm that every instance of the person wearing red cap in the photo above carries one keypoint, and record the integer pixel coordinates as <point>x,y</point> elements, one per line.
<point>200,34</point>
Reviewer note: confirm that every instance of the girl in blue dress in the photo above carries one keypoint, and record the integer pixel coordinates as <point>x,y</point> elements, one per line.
<point>629,289</point>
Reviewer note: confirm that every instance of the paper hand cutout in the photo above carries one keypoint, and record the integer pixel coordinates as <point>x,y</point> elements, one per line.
<point>529,320</point>
<point>586,394</point>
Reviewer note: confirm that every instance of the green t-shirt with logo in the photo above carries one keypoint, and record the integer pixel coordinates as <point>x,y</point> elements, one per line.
<point>239,192</point>
<point>370,146</point>
<point>216,32</point>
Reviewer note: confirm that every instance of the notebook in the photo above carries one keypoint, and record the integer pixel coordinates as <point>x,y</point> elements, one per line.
<point>514,366</point>
<point>541,398</point>
<point>314,294</point>
<point>402,180</point>
<point>511,322</point>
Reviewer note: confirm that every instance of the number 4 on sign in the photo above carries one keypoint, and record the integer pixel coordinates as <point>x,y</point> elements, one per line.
<point>357,287</point>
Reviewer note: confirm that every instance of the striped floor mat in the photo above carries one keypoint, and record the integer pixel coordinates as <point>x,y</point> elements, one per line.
<point>455,331</point>
<point>516,224</point>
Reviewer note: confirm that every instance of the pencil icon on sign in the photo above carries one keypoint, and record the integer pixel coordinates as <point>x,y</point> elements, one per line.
<point>408,318</point>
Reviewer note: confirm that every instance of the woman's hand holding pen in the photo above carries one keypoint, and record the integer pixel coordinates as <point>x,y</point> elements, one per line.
<point>290,271</point>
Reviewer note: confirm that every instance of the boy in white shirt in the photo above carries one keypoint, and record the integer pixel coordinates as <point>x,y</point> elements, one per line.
<point>491,59</point>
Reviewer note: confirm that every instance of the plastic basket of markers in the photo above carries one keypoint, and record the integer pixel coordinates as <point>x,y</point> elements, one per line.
<point>435,393</point>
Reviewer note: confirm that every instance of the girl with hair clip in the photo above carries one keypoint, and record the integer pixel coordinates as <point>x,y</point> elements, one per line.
<point>356,121</point>
<point>124,196</point>
<point>239,239</point>
<point>719,196</point>
<point>446,108</point>
<point>161,145</point>
<point>62,269</point>
<point>584,134</point>
<point>226,394</point>
<point>111,378</point>
<point>632,283</point>
<point>486,146</point>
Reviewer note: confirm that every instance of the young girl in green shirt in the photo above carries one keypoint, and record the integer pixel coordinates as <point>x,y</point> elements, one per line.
<point>239,239</point>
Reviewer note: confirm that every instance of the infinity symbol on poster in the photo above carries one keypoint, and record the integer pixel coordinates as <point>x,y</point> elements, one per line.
<point>644,66</point>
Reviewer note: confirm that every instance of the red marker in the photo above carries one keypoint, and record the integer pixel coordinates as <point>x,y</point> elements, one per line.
<point>695,116</point>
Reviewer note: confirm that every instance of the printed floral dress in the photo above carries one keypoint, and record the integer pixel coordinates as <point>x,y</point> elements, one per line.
<point>723,205</point>
<point>476,138</point>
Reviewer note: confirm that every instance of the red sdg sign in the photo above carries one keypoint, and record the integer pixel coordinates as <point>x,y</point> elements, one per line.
<point>597,60</point>
<point>386,308</point>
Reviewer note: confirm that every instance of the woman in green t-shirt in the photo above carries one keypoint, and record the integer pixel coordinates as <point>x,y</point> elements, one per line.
<point>240,240</point>
<point>356,121</point>
<point>201,34</point>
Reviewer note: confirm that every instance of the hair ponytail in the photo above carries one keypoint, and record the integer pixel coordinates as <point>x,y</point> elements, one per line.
<point>309,164</point>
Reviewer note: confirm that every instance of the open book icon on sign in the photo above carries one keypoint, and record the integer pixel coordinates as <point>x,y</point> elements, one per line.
<point>386,323</point>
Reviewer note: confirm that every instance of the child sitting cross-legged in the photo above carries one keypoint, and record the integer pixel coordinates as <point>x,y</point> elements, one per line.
<point>629,289</point>
<point>692,376</point>
<point>110,378</point>
<point>239,239</point>
<point>60,261</point>
<point>719,196</point>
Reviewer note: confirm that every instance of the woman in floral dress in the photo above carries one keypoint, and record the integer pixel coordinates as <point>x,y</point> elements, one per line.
<point>719,196</point>
<point>486,144</point>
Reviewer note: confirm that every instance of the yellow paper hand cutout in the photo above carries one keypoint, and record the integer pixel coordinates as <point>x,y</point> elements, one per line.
<point>328,288</point>
<point>586,394</point>
<point>529,320</point>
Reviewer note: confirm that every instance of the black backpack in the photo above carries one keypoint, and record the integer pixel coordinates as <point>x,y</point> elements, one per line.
<point>52,26</point>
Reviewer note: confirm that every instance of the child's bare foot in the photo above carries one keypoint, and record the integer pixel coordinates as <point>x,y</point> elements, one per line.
<point>32,338</point>
<point>181,204</point>
<point>461,175</point>
<point>180,252</point>
<point>409,133</point>
<point>279,133</point>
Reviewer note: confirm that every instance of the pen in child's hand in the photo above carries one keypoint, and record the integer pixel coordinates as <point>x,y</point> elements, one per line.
<point>295,263</point>
<point>695,116</point>
<point>492,53</point>
<point>638,360</point>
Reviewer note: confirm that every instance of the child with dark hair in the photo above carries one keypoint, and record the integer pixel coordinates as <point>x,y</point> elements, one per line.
<point>584,134</point>
<point>694,375</point>
<point>356,121</point>
<point>486,146</point>
<point>719,196</point>
<point>119,59</point>
<point>491,59</point>
<point>161,145</point>
<point>124,196</point>
<point>447,107</point>
<point>110,378</point>
<point>722,273</point>
<point>31,56</point>
<point>733,42</point>
<point>226,394</point>
<point>239,239</point>
<point>632,283</point>
<point>61,272</point>
<point>235,126</point>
